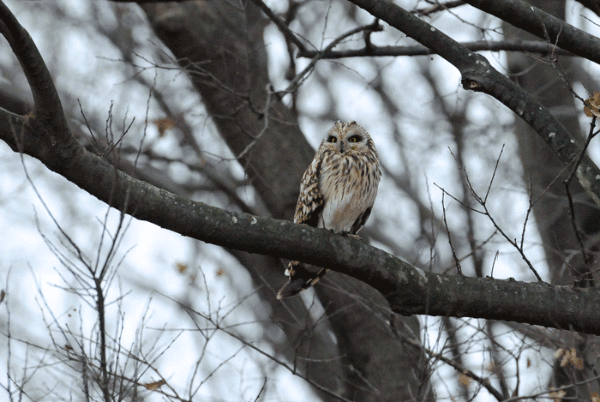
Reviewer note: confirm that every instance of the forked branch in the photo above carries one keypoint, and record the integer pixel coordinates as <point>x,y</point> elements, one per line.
<point>46,102</point>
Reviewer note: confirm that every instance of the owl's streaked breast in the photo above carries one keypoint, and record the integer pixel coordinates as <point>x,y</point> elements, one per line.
<point>349,186</point>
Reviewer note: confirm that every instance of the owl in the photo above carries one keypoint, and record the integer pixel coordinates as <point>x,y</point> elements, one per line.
<point>337,193</point>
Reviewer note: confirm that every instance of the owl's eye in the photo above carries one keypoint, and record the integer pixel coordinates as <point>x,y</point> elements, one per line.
<point>354,138</point>
<point>331,138</point>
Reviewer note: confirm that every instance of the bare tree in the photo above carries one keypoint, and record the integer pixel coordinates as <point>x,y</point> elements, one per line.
<point>379,350</point>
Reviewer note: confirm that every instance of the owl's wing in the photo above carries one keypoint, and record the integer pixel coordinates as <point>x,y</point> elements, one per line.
<point>310,200</point>
<point>360,221</point>
<point>308,212</point>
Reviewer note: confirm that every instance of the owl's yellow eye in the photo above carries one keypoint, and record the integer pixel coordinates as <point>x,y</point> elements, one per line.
<point>331,138</point>
<point>354,138</point>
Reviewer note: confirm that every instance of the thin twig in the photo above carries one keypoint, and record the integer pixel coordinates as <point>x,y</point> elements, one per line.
<point>318,55</point>
<point>285,30</point>
<point>486,211</point>
<point>265,116</point>
<point>456,259</point>
<point>587,259</point>
<point>250,345</point>
<point>439,7</point>
<point>452,363</point>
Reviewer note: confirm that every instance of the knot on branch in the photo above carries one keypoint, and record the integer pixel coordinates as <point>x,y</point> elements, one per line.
<point>401,304</point>
<point>472,85</point>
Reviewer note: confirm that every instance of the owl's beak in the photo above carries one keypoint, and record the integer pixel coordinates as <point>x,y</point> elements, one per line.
<point>341,147</point>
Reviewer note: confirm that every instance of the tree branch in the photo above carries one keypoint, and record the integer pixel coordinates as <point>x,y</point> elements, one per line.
<point>543,25</point>
<point>478,75</point>
<point>593,5</point>
<point>408,289</point>
<point>283,28</point>
<point>505,45</point>
<point>46,102</point>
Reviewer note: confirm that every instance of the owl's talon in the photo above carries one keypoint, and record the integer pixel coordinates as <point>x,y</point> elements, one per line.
<point>354,236</point>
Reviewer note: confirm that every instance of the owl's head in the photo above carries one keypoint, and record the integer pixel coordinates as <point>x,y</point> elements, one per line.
<point>348,138</point>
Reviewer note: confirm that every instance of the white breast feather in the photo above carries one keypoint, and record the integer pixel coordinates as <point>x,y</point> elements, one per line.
<point>346,194</point>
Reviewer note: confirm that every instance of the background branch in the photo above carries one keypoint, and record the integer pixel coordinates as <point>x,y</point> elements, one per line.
<point>478,75</point>
<point>374,51</point>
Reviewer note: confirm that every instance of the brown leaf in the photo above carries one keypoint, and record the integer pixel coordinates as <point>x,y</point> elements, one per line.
<point>153,386</point>
<point>592,105</point>
<point>465,379</point>
<point>164,124</point>
<point>557,395</point>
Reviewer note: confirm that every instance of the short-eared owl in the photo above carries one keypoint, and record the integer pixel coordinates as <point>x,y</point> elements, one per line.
<point>337,193</point>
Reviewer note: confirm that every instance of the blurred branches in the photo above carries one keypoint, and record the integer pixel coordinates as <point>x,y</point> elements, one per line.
<point>408,289</point>
<point>478,75</point>
<point>348,344</point>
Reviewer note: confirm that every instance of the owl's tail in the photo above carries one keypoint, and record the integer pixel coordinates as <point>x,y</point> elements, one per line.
<point>300,279</point>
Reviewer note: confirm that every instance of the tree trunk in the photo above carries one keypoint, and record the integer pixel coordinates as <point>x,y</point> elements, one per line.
<point>222,46</point>
<point>547,174</point>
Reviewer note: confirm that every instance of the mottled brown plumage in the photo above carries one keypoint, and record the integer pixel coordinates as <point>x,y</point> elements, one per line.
<point>337,193</point>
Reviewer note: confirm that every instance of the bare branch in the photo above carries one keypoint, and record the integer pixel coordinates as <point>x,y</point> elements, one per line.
<point>538,22</point>
<point>581,278</point>
<point>302,75</point>
<point>408,289</point>
<point>281,25</point>
<point>530,46</point>
<point>478,75</point>
<point>439,7</point>
<point>47,106</point>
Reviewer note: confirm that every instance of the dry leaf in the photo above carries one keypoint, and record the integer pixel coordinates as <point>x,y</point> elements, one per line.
<point>591,105</point>
<point>559,352</point>
<point>465,379</point>
<point>557,395</point>
<point>164,124</point>
<point>153,386</point>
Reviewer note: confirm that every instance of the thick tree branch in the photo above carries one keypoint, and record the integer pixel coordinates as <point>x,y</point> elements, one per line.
<point>408,289</point>
<point>479,75</point>
<point>543,25</point>
<point>47,106</point>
